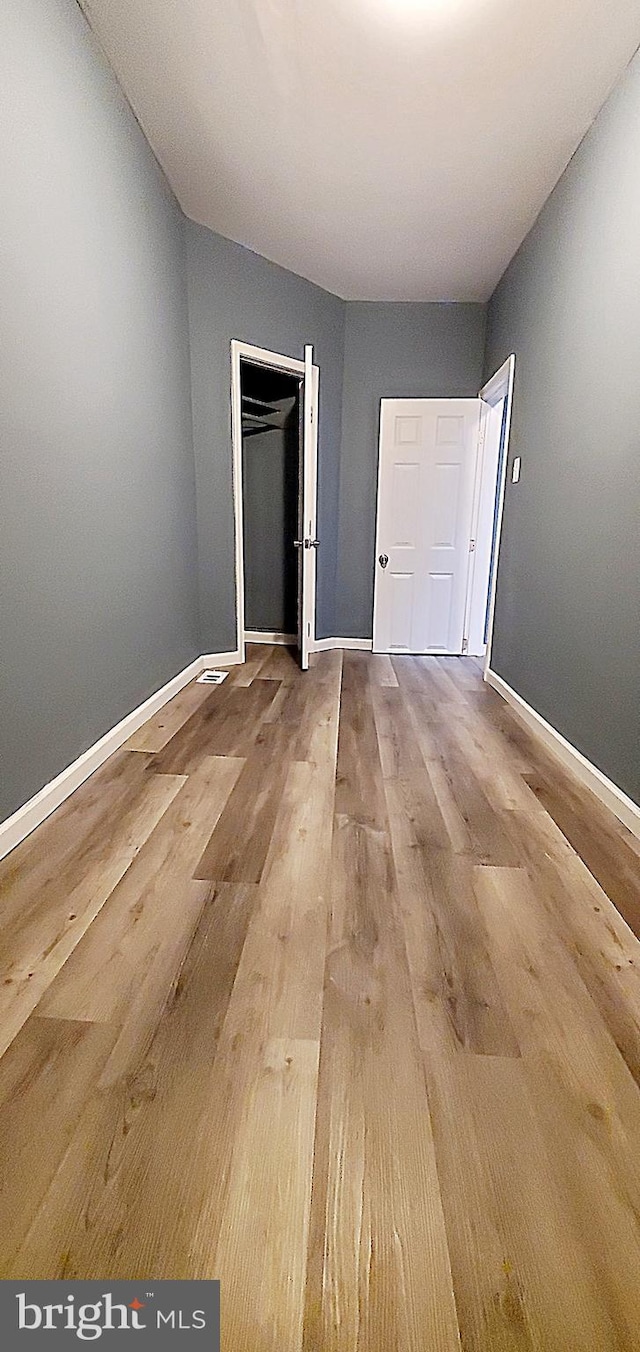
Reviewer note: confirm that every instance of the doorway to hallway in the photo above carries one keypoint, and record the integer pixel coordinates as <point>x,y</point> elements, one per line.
<point>441,476</point>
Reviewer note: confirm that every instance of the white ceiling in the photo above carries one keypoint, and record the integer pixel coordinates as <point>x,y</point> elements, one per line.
<point>386,149</point>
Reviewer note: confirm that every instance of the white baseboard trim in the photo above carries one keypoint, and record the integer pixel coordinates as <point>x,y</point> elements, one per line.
<point>259,636</point>
<point>221,659</point>
<point>614,798</point>
<point>323,645</point>
<point>25,819</point>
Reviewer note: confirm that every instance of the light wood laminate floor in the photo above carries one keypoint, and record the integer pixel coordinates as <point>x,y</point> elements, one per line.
<point>327,986</point>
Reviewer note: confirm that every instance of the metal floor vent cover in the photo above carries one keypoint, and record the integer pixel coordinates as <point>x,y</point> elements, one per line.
<point>212,677</point>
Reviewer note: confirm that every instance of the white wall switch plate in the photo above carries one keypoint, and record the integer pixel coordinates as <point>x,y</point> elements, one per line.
<point>515,470</point>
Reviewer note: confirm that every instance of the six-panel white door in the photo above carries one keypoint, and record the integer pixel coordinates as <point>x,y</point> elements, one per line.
<point>428,450</point>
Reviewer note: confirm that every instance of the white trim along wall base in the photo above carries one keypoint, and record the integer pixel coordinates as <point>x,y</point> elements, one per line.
<point>259,636</point>
<point>618,802</point>
<point>31,814</point>
<point>25,819</point>
<point>22,822</point>
<point>323,645</point>
<point>220,660</point>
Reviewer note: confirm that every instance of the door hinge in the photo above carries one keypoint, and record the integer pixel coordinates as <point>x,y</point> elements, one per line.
<point>472,545</point>
<point>465,645</point>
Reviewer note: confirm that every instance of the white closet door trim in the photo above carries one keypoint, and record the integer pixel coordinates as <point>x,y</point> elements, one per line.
<point>264,357</point>
<point>278,362</point>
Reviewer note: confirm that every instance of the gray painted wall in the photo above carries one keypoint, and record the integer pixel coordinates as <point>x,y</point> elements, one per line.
<point>567,632</point>
<point>234,293</point>
<point>98,600</point>
<point>395,350</point>
<point>99,568</point>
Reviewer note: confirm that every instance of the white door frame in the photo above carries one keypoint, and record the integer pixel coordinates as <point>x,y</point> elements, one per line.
<point>500,386</point>
<point>276,361</point>
<point>308,509</point>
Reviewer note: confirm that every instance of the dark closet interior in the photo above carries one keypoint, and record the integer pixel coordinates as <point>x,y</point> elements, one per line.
<point>270,478</point>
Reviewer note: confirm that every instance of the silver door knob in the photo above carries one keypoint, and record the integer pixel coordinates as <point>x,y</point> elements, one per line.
<point>383,560</point>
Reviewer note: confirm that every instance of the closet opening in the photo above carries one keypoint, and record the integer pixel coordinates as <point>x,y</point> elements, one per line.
<point>274,435</point>
<point>271,460</point>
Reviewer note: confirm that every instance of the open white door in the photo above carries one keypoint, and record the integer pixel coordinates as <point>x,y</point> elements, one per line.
<point>428,450</point>
<point>492,417</point>
<point>307,523</point>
